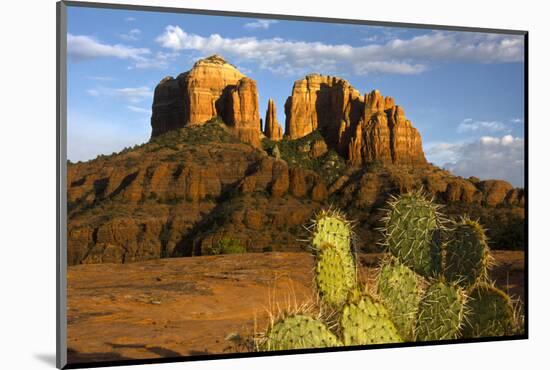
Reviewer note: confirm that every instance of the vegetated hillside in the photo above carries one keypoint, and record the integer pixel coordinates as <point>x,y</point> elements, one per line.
<point>211,181</point>
<point>200,190</point>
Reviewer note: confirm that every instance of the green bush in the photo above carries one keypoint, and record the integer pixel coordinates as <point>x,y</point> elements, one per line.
<point>329,165</point>
<point>227,246</point>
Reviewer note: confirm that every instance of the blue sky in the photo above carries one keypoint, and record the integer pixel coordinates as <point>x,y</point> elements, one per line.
<point>462,90</point>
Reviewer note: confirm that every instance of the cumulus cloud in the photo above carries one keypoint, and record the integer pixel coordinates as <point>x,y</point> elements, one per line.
<point>516,120</point>
<point>130,94</point>
<point>262,24</point>
<point>490,157</point>
<point>132,35</point>
<point>81,47</point>
<point>469,125</point>
<point>160,60</point>
<point>398,56</point>
<point>130,19</point>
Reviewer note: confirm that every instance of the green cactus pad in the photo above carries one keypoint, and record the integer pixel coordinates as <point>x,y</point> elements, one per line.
<point>399,289</point>
<point>440,313</point>
<point>467,254</point>
<point>411,233</point>
<point>367,322</point>
<point>335,275</point>
<point>332,227</point>
<point>299,332</point>
<point>491,313</point>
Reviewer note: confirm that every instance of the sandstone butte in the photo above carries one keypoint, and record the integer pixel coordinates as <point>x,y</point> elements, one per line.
<point>360,128</point>
<point>186,190</point>
<point>212,88</point>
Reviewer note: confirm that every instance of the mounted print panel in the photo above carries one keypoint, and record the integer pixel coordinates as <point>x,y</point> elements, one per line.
<point>248,185</point>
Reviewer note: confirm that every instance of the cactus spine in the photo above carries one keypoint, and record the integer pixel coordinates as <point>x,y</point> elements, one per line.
<point>400,291</point>
<point>333,228</point>
<point>412,234</point>
<point>297,332</point>
<point>367,322</point>
<point>491,313</point>
<point>335,269</point>
<point>467,254</point>
<point>335,275</point>
<point>441,312</point>
<point>402,310</point>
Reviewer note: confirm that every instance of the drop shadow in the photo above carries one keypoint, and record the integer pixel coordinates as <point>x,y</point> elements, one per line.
<point>46,358</point>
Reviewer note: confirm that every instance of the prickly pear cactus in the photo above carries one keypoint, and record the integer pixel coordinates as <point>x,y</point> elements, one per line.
<point>441,312</point>
<point>331,227</point>
<point>467,254</point>
<point>367,322</point>
<point>412,235</point>
<point>298,332</point>
<point>491,313</point>
<point>400,291</point>
<point>335,275</point>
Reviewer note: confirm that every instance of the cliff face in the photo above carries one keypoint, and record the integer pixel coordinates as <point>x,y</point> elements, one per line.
<point>319,101</point>
<point>187,190</point>
<point>212,88</point>
<point>363,129</point>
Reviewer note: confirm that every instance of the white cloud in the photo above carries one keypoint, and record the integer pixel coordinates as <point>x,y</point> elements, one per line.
<point>132,35</point>
<point>130,94</point>
<point>85,47</point>
<point>161,60</point>
<point>398,56</point>
<point>441,153</point>
<point>489,157</point>
<point>263,24</point>
<point>469,125</point>
<point>129,19</point>
<point>516,120</point>
<point>136,109</point>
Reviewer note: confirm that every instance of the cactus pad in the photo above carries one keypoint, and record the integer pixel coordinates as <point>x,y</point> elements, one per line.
<point>367,322</point>
<point>332,227</point>
<point>298,332</point>
<point>467,254</point>
<point>491,313</point>
<point>399,289</point>
<point>412,235</point>
<point>440,313</point>
<point>335,275</point>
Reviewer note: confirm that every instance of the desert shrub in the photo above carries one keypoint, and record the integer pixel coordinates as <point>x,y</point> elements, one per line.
<point>329,165</point>
<point>226,246</point>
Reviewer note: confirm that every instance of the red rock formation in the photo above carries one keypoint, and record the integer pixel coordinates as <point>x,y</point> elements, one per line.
<point>212,88</point>
<point>273,130</point>
<point>242,111</point>
<point>364,129</point>
<point>319,101</point>
<point>406,143</point>
<point>494,191</point>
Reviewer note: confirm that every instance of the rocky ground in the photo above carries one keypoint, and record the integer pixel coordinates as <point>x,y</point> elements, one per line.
<point>200,305</point>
